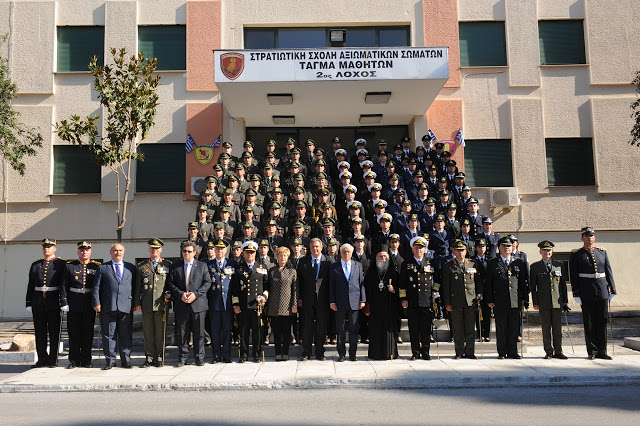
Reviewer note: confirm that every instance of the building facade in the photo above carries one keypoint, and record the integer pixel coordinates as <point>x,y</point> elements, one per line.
<point>541,90</point>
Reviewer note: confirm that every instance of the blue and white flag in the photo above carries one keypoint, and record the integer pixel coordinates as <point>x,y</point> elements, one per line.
<point>190,144</point>
<point>459,137</point>
<point>217,141</point>
<point>432,137</point>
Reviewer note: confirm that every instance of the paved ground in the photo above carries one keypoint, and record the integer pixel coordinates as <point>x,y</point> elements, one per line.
<point>624,369</point>
<point>593,405</point>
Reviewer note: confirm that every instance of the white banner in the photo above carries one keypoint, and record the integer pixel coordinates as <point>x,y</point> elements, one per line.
<point>396,63</point>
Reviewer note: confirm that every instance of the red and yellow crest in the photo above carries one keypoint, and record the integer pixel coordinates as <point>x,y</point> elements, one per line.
<point>232,65</point>
<point>204,154</point>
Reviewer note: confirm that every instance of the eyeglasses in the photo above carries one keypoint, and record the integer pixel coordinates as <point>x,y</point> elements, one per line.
<point>187,251</point>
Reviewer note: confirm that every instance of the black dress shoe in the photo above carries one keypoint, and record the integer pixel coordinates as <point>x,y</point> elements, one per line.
<point>471,357</point>
<point>147,364</point>
<point>54,364</point>
<point>603,356</point>
<point>126,365</point>
<point>502,357</point>
<point>40,364</point>
<point>215,360</point>
<point>159,364</point>
<point>590,357</point>
<point>413,357</point>
<point>353,358</point>
<point>321,358</point>
<point>341,358</point>
<point>426,357</point>
<point>547,356</point>
<point>303,357</point>
<point>242,359</point>
<point>71,365</point>
<point>87,364</point>
<point>227,360</point>
<point>256,359</point>
<point>199,363</point>
<point>181,363</point>
<point>108,366</point>
<point>560,356</point>
<point>486,339</point>
<point>514,356</point>
<point>457,357</point>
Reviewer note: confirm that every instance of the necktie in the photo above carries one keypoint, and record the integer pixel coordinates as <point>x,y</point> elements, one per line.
<point>187,272</point>
<point>316,267</point>
<point>346,266</point>
<point>154,263</point>
<point>220,265</point>
<point>118,272</point>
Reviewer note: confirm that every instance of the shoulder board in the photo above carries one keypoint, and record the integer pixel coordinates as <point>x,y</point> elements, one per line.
<point>142,262</point>
<point>96,262</point>
<point>70,261</point>
<point>601,248</point>
<point>575,250</point>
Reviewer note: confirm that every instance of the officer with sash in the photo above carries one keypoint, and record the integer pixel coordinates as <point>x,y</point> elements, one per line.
<point>221,270</point>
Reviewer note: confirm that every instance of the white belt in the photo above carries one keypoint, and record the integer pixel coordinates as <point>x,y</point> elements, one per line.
<point>46,289</point>
<point>82,290</point>
<point>596,275</point>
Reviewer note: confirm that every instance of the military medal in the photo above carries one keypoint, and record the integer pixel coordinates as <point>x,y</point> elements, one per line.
<point>509,273</point>
<point>455,276</point>
<point>146,280</point>
<point>380,285</point>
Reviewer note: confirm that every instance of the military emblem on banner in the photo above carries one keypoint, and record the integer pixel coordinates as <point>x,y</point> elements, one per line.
<point>449,145</point>
<point>204,153</point>
<point>232,65</point>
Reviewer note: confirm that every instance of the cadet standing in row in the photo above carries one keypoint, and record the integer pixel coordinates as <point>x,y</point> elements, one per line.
<point>77,285</point>
<point>149,296</point>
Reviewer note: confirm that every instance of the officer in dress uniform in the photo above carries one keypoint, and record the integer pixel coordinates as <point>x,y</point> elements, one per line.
<point>506,291</point>
<point>417,291</point>
<point>221,270</point>
<point>77,284</point>
<point>593,286</point>
<point>250,291</point>
<point>549,296</point>
<point>461,288</point>
<point>45,304</point>
<point>149,296</point>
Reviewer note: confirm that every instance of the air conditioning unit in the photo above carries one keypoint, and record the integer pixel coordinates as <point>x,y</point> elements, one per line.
<point>504,197</point>
<point>198,185</point>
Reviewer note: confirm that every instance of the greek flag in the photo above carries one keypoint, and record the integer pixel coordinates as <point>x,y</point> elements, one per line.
<point>190,144</point>
<point>460,138</point>
<point>433,138</point>
<point>217,141</point>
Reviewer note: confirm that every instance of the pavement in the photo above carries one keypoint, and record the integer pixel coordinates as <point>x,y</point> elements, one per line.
<point>446,372</point>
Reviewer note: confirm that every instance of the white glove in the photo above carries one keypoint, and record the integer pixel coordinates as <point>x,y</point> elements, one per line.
<point>64,308</point>
<point>29,309</point>
<point>578,300</point>
<point>611,296</point>
<point>436,294</point>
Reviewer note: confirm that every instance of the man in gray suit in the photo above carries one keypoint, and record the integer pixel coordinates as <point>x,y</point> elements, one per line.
<point>188,281</point>
<point>112,295</point>
<point>346,298</point>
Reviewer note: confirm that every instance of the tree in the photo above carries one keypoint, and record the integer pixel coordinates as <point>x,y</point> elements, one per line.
<point>635,107</point>
<point>127,89</point>
<point>16,139</point>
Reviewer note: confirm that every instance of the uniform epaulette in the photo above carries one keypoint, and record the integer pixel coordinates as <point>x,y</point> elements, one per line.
<point>142,262</point>
<point>69,261</point>
<point>601,248</point>
<point>575,250</point>
<point>96,262</point>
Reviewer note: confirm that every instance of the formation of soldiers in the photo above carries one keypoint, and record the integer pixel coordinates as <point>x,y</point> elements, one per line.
<point>415,206</point>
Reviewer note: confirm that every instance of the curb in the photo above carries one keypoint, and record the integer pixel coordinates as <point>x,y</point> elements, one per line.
<point>438,382</point>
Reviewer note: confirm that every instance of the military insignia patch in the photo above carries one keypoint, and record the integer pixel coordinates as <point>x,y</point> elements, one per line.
<point>232,65</point>
<point>204,154</point>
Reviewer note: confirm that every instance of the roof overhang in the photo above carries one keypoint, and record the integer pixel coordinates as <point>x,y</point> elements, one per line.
<point>330,87</point>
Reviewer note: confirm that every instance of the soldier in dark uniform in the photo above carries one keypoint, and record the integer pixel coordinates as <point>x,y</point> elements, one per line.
<point>149,297</point>
<point>484,327</point>
<point>461,287</point>
<point>593,287</point>
<point>205,227</point>
<point>250,290</point>
<point>221,270</point>
<point>506,291</point>
<point>549,295</point>
<point>45,304</point>
<point>490,237</point>
<point>77,283</point>
<point>416,292</point>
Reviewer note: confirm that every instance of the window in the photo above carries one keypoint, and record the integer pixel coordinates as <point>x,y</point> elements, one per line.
<point>570,162</point>
<point>163,168</point>
<point>168,43</point>
<point>318,37</point>
<point>77,46</point>
<point>482,44</point>
<point>561,42</point>
<point>74,170</point>
<point>487,163</point>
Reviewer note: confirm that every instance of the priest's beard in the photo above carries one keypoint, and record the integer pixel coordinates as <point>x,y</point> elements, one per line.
<point>382,266</point>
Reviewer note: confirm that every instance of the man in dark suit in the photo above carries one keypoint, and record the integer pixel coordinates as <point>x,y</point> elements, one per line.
<point>221,271</point>
<point>346,298</point>
<point>189,282</point>
<point>313,273</point>
<point>112,295</point>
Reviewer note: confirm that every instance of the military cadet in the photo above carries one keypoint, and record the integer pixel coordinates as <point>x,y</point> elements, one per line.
<point>506,291</point>
<point>474,217</point>
<point>77,284</point>
<point>149,297</point>
<point>234,210</point>
<point>593,288</point>
<point>484,326</point>
<point>549,295</point>
<point>490,237</point>
<point>417,292</point>
<point>250,291</point>
<point>221,270</point>
<point>195,238</point>
<point>461,288</point>
<point>236,251</point>
<point>45,304</point>
<point>465,236</point>
<point>205,227</point>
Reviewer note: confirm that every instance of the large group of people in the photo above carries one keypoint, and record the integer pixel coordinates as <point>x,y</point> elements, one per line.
<point>308,247</point>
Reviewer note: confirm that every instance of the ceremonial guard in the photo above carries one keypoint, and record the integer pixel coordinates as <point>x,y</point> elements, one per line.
<point>506,291</point>
<point>417,291</point>
<point>221,270</point>
<point>593,287</point>
<point>549,295</point>
<point>149,296</point>
<point>461,289</point>
<point>250,291</point>
<point>77,286</point>
<point>44,303</point>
